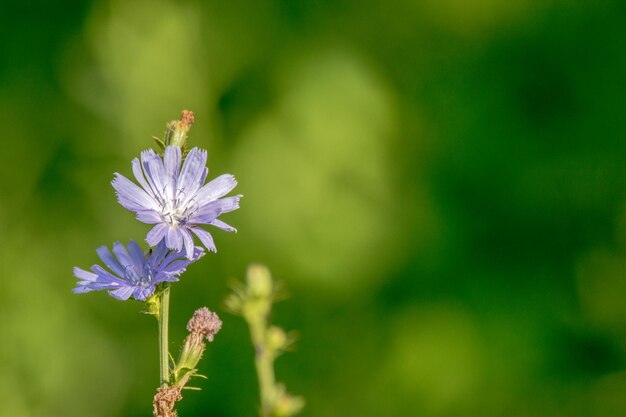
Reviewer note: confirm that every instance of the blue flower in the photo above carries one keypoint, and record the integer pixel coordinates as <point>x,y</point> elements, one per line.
<point>175,199</point>
<point>134,273</point>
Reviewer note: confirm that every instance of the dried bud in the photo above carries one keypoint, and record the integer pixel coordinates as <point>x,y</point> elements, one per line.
<point>164,401</point>
<point>204,323</point>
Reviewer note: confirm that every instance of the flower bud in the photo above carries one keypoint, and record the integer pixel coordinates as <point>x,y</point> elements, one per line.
<point>259,281</point>
<point>277,339</point>
<point>204,323</point>
<point>177,130</point>
<point>287,405</point>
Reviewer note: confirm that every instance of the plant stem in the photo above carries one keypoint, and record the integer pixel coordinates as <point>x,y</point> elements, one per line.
<point>263,360</point>
<point>164,313</point>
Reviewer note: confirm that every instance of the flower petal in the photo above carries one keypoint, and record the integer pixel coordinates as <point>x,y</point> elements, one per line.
<point>142,293</point>
<point>171,161</point>
<point>136,254</point>
<point>149,217</point>
<point>141,179</point>
<point>173,238</point>
<point>192,173</point>
<point>154,170</point>
<point>122,293</point>
<point>84,275</point>
<point>209,212</point>
<point>175,266</point>
<point>215,189</point>
<point>224,226</point>
<point>205,238</point>
<point>188,242</point>
<point>130,196</point>
<point>105,254</point>
<point>81,289</point>
<point>156,235</point>
<point>106,278</point>
<point>157,254</point>
<point>122,255</point>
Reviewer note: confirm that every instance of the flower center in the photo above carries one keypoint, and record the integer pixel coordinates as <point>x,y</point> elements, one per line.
<point>177,213</point>
<point>173,215</point>
<point>142,280</point>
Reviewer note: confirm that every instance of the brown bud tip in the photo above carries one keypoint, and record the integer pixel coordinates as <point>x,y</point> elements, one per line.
<point>204,323</point>
<point>187,118</point>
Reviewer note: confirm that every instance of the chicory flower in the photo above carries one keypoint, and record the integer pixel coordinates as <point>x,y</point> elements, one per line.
<point>133,272</point>
<point>176,200</point>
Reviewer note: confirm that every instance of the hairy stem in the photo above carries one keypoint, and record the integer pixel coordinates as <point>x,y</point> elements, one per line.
<point>264,362</point>
<point>164,313</point>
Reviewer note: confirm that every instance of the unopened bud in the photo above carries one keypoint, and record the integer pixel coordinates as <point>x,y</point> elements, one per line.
<point>177,130</point>
<point>288,405</point>
<point>259,281</point>
<point>277,339</point>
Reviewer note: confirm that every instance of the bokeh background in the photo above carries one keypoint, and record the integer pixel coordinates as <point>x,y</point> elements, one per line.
<point>440,184</point>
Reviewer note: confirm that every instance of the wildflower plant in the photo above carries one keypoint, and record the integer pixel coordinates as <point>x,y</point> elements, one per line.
<point>171,195</point>
<point>253,301</point>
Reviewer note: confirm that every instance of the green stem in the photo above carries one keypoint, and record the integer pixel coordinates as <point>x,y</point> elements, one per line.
<point>164,312</point>
<point>263,360</point>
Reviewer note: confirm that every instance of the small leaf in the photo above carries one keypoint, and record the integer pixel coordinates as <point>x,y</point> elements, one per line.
<point>159,142</point>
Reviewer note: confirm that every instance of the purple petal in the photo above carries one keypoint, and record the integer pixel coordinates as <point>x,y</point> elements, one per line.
<point>198,253</point>
<point>188,242</point>
<point>215,189</point>
<point>205,172</point>
<point>138,173</point>
<point>122,255</point>
<point>156,235</point>
<point>158,253</point>
<point>136,254</point>
<point>205,238</point>
<point>174,265</point>
<point>155,173</point>
<point>105,277</point>
<point>171,160</point>
<point>171,257</point>
<point>122,293</point>
<point>81,289</point>
<point>105,254</point>
<point>84,275</point>
<point>130,196</point>
<point>222,225</point>
<point>176,268</point>
<point>142,293</point>
<point>149,217</point>
<point>173,238</point>
<point>209,212</point>
<point>163,277</point>
<point>146,156</point>
<point>192,173</point>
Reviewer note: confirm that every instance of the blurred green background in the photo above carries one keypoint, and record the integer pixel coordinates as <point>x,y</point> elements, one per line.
<point>440,184</point>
